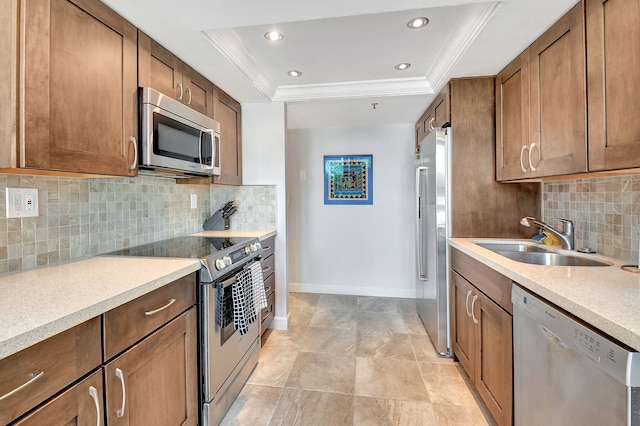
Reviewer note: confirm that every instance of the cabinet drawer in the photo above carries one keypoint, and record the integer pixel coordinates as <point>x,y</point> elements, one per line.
<point>34,374</point>
<point>130,322</point>
<point>270,284</point>
<point>268,265</point>
<point>266,315</point>
<point>268,246</point>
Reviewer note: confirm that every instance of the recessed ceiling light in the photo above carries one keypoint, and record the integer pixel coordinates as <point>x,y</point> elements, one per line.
<point>294,73</point>
<point>273,35</point>
<point>417,23</point>
<point>403,66</point>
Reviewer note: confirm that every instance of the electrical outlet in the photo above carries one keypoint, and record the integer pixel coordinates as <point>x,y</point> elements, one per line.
<point>194,201</point>
<point>22,202</point>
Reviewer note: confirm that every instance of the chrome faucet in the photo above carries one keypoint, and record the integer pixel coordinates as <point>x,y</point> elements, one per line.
<point>566,236</point>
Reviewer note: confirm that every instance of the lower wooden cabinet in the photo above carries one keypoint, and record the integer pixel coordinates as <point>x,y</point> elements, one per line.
<point>155,382</point>
<point>268,271</point>
<point>482,336</point>
<point>81,404</point>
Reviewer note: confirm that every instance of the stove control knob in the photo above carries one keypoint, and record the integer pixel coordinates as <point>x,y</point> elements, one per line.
<point>220,264</point>
<point>227,260</point>
<point>247,250</point>
<point>258,245</point>
<point>254,247</point>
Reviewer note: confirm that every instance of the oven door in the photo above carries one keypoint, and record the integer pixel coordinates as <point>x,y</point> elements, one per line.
<point>223,346</point>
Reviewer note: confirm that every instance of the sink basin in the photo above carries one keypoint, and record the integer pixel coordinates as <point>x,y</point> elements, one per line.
<point>551,259</point>
<point>537,255</point>
<point>517,247</point>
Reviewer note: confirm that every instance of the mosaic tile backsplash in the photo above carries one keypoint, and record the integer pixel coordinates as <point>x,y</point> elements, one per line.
<point>605,212</point>
<point>84,217</point>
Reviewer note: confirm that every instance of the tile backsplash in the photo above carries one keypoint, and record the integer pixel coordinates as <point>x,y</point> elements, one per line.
<point>605,211</point>
<point>84,217</point>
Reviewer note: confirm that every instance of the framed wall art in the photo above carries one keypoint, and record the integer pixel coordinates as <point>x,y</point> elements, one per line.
<point>348,179</point>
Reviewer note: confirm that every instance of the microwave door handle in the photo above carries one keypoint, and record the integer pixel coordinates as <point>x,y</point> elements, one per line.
<point>209,131</point>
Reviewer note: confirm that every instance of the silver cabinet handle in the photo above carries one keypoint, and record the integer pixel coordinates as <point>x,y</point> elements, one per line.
<point>120,376</point>
<point>466,303</point>
<point>473,304</point>
<point>93,393</point>
<point>181,91</point>
<point>522,150</point>
<point>266,248</point>
<point>34,376</point>
<point>133,165</point>
<point>155,311</point>
<point>431,126</point>
<point>267,289</point>
<point>268,268</point>
<point>188,93</point>
<point>533,145</point>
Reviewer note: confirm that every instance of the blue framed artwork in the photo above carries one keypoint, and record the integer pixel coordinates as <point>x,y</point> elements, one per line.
<point>347,179</point>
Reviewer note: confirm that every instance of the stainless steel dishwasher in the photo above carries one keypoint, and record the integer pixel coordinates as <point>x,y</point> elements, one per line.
<point>566,373</point>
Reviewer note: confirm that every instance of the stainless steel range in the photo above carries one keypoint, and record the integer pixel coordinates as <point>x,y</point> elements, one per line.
<point>227,357</point>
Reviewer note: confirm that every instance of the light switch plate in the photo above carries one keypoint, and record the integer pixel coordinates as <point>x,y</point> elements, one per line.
<point>22,202</point>
<point>194,201</point>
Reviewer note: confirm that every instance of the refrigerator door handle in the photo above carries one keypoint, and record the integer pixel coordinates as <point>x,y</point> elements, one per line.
<point>421,259</point>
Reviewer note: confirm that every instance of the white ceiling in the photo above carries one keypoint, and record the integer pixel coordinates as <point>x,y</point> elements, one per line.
<point>346,50</point>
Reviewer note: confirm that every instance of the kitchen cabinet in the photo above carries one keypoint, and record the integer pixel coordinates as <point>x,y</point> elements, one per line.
<point>165,72</point>
<point>154,381</point>
<point>438,114</point>
<point>33,375</point>
<point>481,332</point>
<point>613,64</point>
<point>552,70</point>
<point>77,109</point>
<point>268,272</point>
<point>82,404</point>
<point>228,112</point>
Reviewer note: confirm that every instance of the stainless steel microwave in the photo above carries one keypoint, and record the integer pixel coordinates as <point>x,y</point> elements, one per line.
<point>175,138</point>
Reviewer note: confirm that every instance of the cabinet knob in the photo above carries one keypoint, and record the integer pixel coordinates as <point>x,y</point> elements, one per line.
<point>188,93</point>
<point>522,150</point>
<point>473,304</point>
<point>180,91</point>
<point>134,164</point>
<point>531,147</point>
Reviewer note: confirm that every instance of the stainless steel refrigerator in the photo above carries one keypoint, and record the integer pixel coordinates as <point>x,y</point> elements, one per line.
<point>433,177</point>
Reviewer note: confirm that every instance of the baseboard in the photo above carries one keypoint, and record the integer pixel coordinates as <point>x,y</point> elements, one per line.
<point>280,323</point>
<point>403,293</point>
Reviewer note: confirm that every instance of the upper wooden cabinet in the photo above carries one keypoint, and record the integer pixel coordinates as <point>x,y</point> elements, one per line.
<point>613,70</point>
<point>228,112</point>
<point>78,100</point>
<point>544,89</point>
<point>165,72</point>
<point>438,114</point>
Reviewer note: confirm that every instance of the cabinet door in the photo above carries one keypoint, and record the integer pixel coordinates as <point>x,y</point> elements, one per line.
<point>462,328</point>
<point>428,121</point>
<point>512,119</point>
<point>558,141</point>
<point>79,405</point>
<point>198,91</point>
<point>419,134</point>
<point>494,358</point>
<point>80,80</point>
<point>442,109</point>
<point>155,382</point>
<point>613,71</point>
<point>227,112</point>
<point>158,68</point>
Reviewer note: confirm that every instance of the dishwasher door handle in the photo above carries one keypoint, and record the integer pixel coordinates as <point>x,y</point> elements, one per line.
<point>554,336</point>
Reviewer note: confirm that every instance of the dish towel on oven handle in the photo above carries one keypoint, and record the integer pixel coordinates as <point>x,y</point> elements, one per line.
<point>248,297</point>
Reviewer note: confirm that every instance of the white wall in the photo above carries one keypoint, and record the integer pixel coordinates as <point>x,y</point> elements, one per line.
<point>352,249</point>
<point>263,163</point>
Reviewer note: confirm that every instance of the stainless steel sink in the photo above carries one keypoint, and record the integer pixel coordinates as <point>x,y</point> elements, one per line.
<point>517,247</point>
<point>536,255</point>
<point>551,259</point>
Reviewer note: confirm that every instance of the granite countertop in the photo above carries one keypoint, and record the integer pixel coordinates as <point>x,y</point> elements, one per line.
<point>606,297</point>
<point>37,304</point>
<point>232,233</point>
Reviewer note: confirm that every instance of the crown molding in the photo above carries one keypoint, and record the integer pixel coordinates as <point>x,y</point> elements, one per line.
<point>354,89</point>
<point>231,47</point>
<point>475,18</point>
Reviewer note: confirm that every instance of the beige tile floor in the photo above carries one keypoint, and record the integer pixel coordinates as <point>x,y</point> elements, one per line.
<point>351,360</point>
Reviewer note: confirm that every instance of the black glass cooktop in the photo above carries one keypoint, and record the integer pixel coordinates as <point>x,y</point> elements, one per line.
<point>182,247</point>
